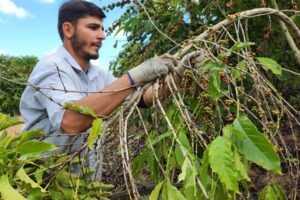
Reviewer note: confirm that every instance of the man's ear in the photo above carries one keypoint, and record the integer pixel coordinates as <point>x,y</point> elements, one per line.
<point>68,29</point>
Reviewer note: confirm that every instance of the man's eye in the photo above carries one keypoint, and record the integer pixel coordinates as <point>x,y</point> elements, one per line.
<point>93,27</point>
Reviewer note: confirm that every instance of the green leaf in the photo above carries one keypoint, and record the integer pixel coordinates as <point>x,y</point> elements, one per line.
<point>96,185</point>
<point>178,155</point>
<point>246,189</point>
<point>226,54</point>
<point>7,191</point>
<point>172,111</point>
<point>173,192</point>
<point>3,135</point>
<point>33,149</point>
<point>106,187</point>
<point>5,142</point>
<point>296,19</point>
<point>7,121</point>
<point>241,167</point>
<point>240,45</point>
<point>279,193</point>
<point>63,178</point>
<point>38,175</point>
<point>214,86</point>
<point>235,48</point>
<point>240,70</point>
<point>155,193</point>
<point>35,194</point>
<point>57,192</point>
<point>270,64</point>
<point>222,162</point>
<point>21,174</point>
<point>236,74</point>
<point>165,150</point>
<point>164,192</point>
<point>138,162</point>
<point>95,132</point>
<point>220,192</point>
<point>153,165</point>
<point>272,192</point>
<point>255,146</point>
<point>80,108</point>
<point>188,174</point>
<point>204,177</point>
<point>210,66</point>
<point>184,141</point>
<point>159,138</point>
<point>229,130</point>
<point>184,169</point>
<point>267,194</point>
<point>27,135</point>
<point>242,66</point>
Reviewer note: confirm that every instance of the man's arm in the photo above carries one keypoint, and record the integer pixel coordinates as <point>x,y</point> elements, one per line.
<point>102,103</point>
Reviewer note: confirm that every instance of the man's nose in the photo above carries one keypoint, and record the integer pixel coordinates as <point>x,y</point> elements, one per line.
<point>101,35</point>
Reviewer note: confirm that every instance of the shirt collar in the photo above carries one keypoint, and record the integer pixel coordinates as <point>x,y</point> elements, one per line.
<point>93,70</point>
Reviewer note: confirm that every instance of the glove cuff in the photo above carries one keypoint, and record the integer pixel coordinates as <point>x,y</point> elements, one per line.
<point>130,79</point>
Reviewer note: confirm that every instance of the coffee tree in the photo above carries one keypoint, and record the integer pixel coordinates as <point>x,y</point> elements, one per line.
<point>228,130</point>
<point>14,73</point>
<point>235,111</point>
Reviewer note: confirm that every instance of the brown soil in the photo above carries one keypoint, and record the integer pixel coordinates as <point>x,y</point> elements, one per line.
<point>15,129</point>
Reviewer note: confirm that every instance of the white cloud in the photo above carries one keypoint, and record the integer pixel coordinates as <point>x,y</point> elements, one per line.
<point>10,8</point>
<point>3,52</point>
<point>48,1</point>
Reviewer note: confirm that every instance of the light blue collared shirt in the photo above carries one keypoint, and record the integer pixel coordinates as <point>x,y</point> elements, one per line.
<point>59,70</point>
<point>41,108</point>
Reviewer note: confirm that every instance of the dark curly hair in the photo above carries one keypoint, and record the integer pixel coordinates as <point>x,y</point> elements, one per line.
<point>73,10</point>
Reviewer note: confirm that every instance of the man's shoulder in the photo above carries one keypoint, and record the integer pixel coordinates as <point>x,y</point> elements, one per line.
<point>47,66</point>
<point>51,60</point>
<point>50,63</point>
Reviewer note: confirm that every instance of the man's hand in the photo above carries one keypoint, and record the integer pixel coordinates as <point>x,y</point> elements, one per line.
<point>198,56</point>
<point>151,69</point>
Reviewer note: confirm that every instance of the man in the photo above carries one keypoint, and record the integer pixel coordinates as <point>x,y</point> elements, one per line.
<point>73,78</point>
<point>68,76</point>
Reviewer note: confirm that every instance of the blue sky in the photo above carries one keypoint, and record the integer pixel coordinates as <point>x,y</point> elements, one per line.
<point>28,27</point>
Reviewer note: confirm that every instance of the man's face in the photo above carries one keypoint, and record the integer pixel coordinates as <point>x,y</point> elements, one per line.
<point>87,38</point>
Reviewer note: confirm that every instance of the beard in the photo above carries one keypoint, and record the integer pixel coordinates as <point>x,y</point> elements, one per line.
<point>78,45</point>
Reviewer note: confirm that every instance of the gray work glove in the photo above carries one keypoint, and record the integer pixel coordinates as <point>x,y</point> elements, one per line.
<point>185,62</point>
<point>151,69</point>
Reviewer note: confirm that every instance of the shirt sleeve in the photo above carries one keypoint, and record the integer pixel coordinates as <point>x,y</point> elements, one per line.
<point>56,86</point>
<point>109,78</point>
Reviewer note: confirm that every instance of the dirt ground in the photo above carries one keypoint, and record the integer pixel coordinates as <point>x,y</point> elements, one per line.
<point>15,129</point>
